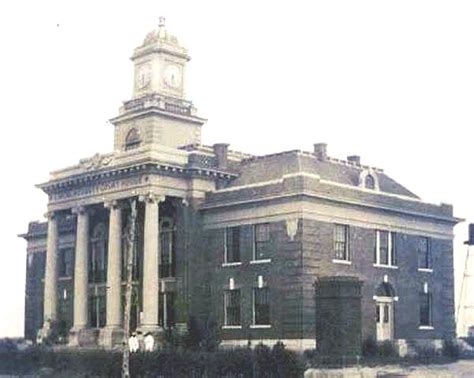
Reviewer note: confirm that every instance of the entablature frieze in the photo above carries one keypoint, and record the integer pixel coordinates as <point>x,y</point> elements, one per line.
<point>127,181</point>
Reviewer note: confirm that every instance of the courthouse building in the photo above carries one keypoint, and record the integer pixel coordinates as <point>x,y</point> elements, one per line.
<point>228,238</point>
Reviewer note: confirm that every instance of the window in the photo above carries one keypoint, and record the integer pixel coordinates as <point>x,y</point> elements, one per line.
<point>385,248</point>
<point>97,310</point>
<point>341,242</point>
<point>423,251</point>
<point>232,245</point>
<point>369,182</point>
<point>167,250</point>
<point>386,314</point>
<point>261,233</point>
<point>426,307</point>
<point>232,307</point>
<point>98,254</point>
<point>132,140</point>
<point>261,306</point>
<point>166,310</point>
<point>65,263</point>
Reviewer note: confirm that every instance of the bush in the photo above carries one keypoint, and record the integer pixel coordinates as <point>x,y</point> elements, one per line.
<point>240,362</point>
<point>369,347</point>
<point>451,349</point>
<point>387,349</point>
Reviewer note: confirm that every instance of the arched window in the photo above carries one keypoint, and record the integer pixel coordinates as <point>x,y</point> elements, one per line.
<point>132,140</point>
<point>369,182</point>
<point>368,179</point>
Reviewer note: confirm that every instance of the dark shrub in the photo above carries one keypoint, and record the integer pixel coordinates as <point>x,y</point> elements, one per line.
<point>451,349</point>
<point>469,340</point>
<point>386,349</point>
<point>286,363</point>
<point>369,347</point>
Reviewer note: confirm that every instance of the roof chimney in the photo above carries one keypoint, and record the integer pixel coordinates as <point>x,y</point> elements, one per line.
<point>320,151</point>
<point>220,150</point>
<point>354,159</point>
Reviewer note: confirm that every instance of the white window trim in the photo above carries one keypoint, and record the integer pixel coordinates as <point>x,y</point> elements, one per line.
<point>261,326</point>
<point>343,262</point>
<point>426,270</point>
<point>231,327</point>
<point>426,328</point>
<point>390,250</point>
<point>262,261</point>
<point>385,266</point>
<point>237,263</point>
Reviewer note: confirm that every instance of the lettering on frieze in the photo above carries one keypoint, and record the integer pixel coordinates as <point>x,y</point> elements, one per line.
<point>97,188</point>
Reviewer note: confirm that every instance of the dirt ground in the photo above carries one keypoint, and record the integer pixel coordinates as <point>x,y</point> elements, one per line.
<point>462,368</point>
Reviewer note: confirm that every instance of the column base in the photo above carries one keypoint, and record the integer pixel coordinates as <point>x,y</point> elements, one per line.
<point>111,337</point>
<point>83,337</point>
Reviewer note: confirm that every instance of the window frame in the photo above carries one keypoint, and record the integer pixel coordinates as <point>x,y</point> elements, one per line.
<point>257,244</point>
<point>391,248</point>
<point>232,248</point>
<point>425,306</point>
<point>255,321</point>
<point>427,254</point>
<point>228,293</point>
<point>346,253</point>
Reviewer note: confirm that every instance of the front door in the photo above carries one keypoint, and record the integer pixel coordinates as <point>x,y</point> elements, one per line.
<point>384,316</point>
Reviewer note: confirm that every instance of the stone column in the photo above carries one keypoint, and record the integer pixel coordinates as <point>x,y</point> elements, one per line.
<point>51,274</point>
<point>112,334</point>
<point>151,251</point>
<point>80,277</point>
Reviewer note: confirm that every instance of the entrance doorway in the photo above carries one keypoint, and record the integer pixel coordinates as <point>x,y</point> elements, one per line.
<point>384,315</point>
<point>384,311</point>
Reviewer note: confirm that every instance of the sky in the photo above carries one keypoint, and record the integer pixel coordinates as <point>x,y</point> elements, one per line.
<point>391,81</point>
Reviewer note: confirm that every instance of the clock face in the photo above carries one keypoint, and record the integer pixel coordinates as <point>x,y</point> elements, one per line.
<point>143,77</point>
<point>172,76</point>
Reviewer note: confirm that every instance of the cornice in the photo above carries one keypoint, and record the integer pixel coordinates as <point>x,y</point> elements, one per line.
<point>57,185</point>
<point>305,194</point>
<point>143,112</point>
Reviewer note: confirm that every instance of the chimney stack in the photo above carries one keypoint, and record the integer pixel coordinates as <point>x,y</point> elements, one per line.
<point>354,159</point>
<point>320,151</point>
<point>220,150</point>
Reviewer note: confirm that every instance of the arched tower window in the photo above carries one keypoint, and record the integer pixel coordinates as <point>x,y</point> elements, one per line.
<point>369,182</point>
<point>132,140</point>
<point>368,179</point>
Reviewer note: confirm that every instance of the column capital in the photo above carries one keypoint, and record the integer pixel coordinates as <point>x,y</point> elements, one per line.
<point>49,215</point>
<point>111,204</point>
<point>78,210</point>
<point>152,197</point>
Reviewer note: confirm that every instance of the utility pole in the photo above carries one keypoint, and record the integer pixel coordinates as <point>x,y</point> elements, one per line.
<point>465,316</point>
<point>128,289</point>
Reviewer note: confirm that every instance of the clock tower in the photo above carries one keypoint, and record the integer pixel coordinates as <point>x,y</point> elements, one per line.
<point>158,113</point>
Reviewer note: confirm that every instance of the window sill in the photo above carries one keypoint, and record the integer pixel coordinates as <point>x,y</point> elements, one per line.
<point>232,327</point>
<point>385,266</point>
<point>263,261</point>
<point>65,278</point>
<point>237,263</point>
<point>426,270</point>
<point>344,262</point>
<point>261,326</point>
<point>426,328</point>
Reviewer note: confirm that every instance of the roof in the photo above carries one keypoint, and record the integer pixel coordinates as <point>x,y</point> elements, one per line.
<point>273,167</point>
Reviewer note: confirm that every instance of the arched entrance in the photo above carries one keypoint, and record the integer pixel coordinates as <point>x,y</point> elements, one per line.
<point>384,312</point>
